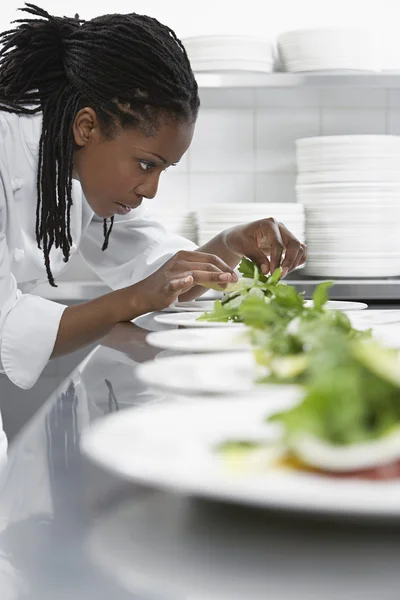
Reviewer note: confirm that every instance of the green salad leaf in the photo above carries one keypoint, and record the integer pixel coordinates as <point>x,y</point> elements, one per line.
<point>348,399</point>
<point>320,295</point>
<point>242,297</point>
<point>248,269</point>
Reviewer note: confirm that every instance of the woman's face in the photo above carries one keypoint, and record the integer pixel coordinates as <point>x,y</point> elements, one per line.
<point>116,174</point>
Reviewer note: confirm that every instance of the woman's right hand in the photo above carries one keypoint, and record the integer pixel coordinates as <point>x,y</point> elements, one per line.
<point>85,323</point>
<point>180,273</point>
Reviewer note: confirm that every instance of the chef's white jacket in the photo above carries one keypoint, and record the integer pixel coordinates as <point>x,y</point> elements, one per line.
<point>29,324</point>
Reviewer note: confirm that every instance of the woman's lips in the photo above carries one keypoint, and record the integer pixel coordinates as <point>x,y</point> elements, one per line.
<point>123,209</point>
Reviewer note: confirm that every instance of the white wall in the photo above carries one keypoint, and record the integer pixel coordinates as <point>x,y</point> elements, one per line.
<point>264,17</point>
<point>246,151</point>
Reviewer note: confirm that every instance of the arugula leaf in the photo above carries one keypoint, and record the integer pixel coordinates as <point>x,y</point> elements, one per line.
<point>286,295</point>
<point>249,269</point>
<point>246,268</point>
<point>346,401</point>
<point>256,312</point>
<point>220,313</point>
<point>320,295</point>
<point>275,277</point>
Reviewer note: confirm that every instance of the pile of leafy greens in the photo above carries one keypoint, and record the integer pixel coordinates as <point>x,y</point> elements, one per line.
<point>352,393</point>
<point>258,300</point>
<point>284,328</point>
<point>352,397</point>
<point>351,384</point>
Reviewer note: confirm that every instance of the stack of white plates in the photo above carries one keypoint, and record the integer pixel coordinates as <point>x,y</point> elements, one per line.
<point>178,222</point>
<point>350,188</point>
<point>327,49</point>
<point>215,218</point>
<point>219,53</point>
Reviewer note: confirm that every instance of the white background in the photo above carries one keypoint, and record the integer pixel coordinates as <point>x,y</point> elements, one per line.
<point>243,148</point>
<point>264,17</point>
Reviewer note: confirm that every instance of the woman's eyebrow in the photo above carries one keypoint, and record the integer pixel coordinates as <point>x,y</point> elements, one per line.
<point>164,160</point>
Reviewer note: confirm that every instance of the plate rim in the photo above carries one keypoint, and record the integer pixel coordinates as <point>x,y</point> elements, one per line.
<point>217,492</point>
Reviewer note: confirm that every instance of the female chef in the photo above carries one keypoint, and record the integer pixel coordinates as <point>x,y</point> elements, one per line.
<point>91,113</point>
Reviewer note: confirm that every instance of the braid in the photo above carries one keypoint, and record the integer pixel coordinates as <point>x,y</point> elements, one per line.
<point>107,231</point>
<point>132,70</point>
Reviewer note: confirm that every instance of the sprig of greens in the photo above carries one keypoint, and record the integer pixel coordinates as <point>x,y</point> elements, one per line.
<point>352,384</point>
<point>282,326</point>
<point>353,394</point>
<point>247,299</point>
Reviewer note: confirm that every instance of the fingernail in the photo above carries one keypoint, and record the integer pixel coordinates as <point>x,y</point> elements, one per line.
<point>265,269</point>
<point>225,277</point>
<point>285,271</point>
<point>234,277</point>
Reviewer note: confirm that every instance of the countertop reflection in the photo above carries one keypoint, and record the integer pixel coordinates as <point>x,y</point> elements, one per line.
<point>71,531</point>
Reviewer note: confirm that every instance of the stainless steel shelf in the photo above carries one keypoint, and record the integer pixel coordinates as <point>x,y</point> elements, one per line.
<point>378,290</point>
<point>265,80</point>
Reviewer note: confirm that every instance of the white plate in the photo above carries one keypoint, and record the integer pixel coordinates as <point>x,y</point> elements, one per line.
<point>189,319</point>
<point>344,176</point>
<point>372,318</point>
<point>189,313</point>
<point>194,306</point>
<point>342,305</point>
<point>235,65</point>
<point>364,142</point>
<point>193,374</point>
<point>171,445</point>
<point>200,340</point>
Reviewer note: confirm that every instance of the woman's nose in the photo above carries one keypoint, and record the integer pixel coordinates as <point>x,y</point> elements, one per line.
<point>149,188</point>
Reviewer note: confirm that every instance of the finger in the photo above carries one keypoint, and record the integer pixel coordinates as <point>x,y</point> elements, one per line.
<point>301,256</point>
<point>197,266</point>
<point>304,258</point>
<point>207,277</point>
<point>205,257</point>
<point>181,284</point>
<point>297,260</point>
<point>260,259</point>
<point>289,261</point>
<point>288,236</point>
<point>270,230</point>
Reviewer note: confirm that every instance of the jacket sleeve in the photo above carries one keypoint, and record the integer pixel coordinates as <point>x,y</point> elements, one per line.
<point>138,246</point>
<point>28,324</point>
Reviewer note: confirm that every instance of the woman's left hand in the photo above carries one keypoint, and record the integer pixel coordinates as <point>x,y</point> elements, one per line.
<point>267,243</point>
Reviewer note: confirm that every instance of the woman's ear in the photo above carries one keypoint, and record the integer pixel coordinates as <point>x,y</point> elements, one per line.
<point>85,127</point>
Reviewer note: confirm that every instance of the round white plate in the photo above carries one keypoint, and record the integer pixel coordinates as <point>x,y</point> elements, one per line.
<point>194,374</point>
<point>189,319</point>
<point>341,305</point>
<point>189,313</point>
<point>372,318</point>
<point>194,306</point>
<point>172,445</point>
<point>200,340</point>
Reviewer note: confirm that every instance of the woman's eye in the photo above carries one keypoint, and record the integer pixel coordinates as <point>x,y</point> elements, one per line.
<point>145,165</point>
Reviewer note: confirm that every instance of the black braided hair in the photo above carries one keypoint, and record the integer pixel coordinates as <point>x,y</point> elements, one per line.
<point>132,70</point>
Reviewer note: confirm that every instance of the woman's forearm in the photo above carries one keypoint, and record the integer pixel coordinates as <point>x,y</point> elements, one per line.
<point>86,323</point>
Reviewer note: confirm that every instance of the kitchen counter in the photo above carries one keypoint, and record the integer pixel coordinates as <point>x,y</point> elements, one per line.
<point>71,531</point>
<point>385,290</point>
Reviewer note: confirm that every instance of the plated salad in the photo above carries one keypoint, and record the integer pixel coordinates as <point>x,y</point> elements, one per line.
<point>348,422</point>
<point>283,328</point>
<point>249,299</point>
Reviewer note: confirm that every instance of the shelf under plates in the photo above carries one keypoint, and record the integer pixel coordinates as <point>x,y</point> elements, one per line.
<point>265,80</point>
